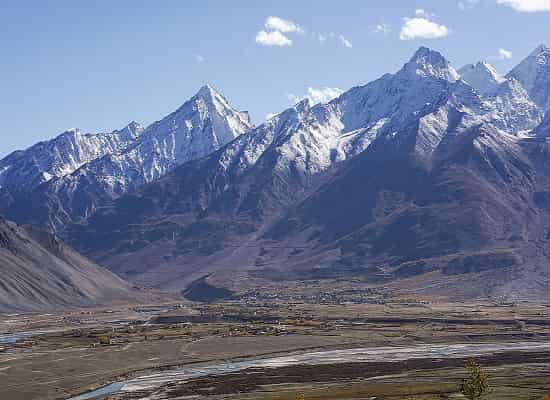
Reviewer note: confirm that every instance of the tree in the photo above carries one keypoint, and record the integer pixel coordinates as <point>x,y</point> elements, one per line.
<point>476,385</point>
<point>104,340</point>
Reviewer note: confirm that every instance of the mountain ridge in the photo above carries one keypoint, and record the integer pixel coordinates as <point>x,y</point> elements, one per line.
<point>198,127</point>
<point>534,74</point>
<point>418,173</point>
<point>333,184</point>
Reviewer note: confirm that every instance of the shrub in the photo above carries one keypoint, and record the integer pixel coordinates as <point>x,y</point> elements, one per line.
<point>104,340</point>
<point>476,385</point>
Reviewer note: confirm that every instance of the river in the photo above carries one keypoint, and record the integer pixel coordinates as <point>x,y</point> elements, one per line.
<point>361,355</point>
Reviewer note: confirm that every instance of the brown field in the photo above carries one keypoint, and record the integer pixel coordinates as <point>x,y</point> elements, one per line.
<point>90,349</point>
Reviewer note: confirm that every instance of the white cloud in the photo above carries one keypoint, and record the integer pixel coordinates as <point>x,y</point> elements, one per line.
<point>345,42</point>
<point>527,5</point>
<point>198,58</point>
<point>504,54</point>
<point>422,27</point>
<point>317,95</point>
<point>381,28</point>
<point>322,37</point>
<point>276,30</point>
<point>282,25</point>
<point>274,38</point>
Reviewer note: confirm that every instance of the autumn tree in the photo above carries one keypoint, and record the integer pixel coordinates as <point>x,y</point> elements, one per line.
<point>476,385</point>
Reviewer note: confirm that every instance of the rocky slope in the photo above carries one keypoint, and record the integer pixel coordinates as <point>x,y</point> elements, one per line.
<point>39,272</point>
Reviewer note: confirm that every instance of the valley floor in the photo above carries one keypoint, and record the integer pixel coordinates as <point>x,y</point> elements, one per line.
<point>65,354</point>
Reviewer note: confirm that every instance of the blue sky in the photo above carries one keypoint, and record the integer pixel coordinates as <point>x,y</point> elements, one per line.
<point>99,64</point>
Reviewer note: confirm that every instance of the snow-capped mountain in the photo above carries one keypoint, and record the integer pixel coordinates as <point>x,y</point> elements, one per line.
<point>306,140</point>
<point>313,138</point>
<point>483,77</point>
<point>199,127</point>
<point>24,170</point>
<point>75,173</point>
<point>534,74</point>
<point>301,142</point>
<point>374,177</point>
<point>425,165</point>
<point>513,110</point>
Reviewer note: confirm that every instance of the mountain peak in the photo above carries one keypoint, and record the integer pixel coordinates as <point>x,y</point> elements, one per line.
<point>491,69</point>
<point>72,131</point>
<point>131,131</point>
<point>482,76</point>
<point>540,49</point>
<point>207,90</point>
<point>214,101</point>
<point>427,62</point>
<point>201,125</point>
<point>423,52</point>
<point>534,74</point>
<point>540,56</point>
<point>211,95</point>
<point>134,125</point>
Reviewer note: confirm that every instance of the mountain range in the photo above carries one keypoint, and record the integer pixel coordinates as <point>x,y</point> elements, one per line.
<point>64,180</point>
<point>423,179</point>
